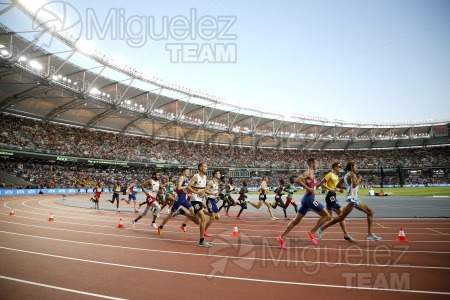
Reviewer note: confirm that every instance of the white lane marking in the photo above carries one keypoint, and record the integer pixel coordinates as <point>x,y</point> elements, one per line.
<point>275,260</point>
<point>59,288</point>
<point>295,230</point>
<point>228,277</point>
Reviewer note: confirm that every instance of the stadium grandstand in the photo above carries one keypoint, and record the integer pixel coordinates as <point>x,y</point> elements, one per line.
<point>55,112</point>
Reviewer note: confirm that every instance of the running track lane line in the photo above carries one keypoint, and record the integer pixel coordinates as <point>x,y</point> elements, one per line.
<point>222,243</point>
<point>217,243</point>
<point>216,228</point>
<point>273,259</point>
<point>381,225</point>
<point>229,277</point>
<point>438,231</point>
<point>59,288</point>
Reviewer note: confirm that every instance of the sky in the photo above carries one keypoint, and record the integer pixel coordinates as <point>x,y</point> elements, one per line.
<point>356,60</point>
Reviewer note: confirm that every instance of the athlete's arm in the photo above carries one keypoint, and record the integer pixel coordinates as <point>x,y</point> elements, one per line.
<point>355,179</point>
<point>322,183</point>
<point>209,187</point>
<point>340,184</point>
<point>180,185</point>
<point>144,185</point>
<point>301,180</point>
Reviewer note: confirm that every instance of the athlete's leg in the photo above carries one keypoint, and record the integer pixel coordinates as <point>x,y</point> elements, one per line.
<point>295,206</point>
<point>212,217</point>
<point>280,203</point>
<point>324,217</point>
<point>369,212</point>
<point>201,221</point>
<point>292,224</point>
<point>345,212</point>
<point>142,215</point>
<point>341,223</point>
<point>269,208</point>
<point>166,219</point>
<point>191,216</point>
<point>240,212</point>
<point>260,202</point>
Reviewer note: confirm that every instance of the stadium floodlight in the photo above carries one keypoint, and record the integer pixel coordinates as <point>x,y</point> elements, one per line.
<point>22,58</point>
<point>75,83</point>
<point>55,77</point>
<point>35,65</point>
<point>85,46</point>
<point>64,78</point>
<point>4,52</point>
<point>69,81</point>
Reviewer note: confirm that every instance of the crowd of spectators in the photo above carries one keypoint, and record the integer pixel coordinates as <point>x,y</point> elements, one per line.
<point>42,175</point>
<point>39,136</point>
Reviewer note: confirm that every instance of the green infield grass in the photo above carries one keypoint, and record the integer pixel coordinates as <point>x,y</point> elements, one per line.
<point>412,191</point>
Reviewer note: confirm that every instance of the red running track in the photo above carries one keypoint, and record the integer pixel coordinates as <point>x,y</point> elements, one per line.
<point>82,254</point>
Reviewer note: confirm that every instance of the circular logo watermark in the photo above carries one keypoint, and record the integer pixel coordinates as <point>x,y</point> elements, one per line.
<point>58,17</point>
<point>237,250</point>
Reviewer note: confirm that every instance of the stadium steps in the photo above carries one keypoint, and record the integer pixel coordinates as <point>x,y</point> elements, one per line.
<point>13,179</point>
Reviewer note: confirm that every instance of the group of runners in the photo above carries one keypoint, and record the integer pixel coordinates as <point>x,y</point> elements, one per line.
<point>199,197</point>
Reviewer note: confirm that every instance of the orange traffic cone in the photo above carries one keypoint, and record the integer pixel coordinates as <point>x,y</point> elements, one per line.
<point>11,213</point>
<point>401,236</point>
<point>120,224</point>
<point>51,219</point>
<point>235,231</point>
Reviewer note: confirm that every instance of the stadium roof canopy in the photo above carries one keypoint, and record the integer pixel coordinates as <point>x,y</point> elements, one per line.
<point>106,95</point>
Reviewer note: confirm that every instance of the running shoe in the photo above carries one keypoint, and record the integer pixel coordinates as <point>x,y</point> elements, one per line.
<point>160,231</point>
<point>312,236</point>
<point>133,223</point>
<point>373,236</point>
<point>206,234</point>
<point>282,242</point>
<point>205,244</point>
<point>238,218</point>
<point>274,218</point>
<point>350,239</point>
<point>287,219</point>
<point>227,215</point>
<point>184,229</point>
<point>136,211</point>
<point>154,225</point>
<point>320,232</point>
